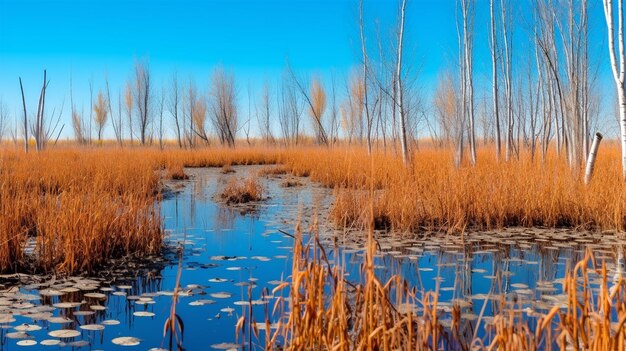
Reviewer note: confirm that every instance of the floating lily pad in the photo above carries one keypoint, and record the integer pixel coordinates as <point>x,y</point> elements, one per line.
<point>26,343</point>
<point>221,295</point>
<point>110,322</point>
<point>126,341</point>
<point>64,333</point>
<point>92,327</point>
<point>27,327</point>
<point>50,342</point>
<point>143,314</point>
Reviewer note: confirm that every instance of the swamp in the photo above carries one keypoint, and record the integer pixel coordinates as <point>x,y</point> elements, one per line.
<point>312,175</point>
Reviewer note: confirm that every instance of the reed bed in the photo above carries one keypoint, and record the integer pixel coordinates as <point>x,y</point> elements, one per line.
<point>69,209</point>
<point>327,312</point>
<point>434,195</point>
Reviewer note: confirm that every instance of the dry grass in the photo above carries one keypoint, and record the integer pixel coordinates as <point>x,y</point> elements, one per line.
<point>241,191</point>
<point>77,207</point>
<point>273,171</point>
<point>434,195</point>
<point>176,172</point>
<point>326,312</point>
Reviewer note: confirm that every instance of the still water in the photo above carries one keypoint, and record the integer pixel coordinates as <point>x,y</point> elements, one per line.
<point>232,257</point>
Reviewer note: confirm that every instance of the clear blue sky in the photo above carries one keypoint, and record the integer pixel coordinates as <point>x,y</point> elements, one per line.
<point>253,38</point>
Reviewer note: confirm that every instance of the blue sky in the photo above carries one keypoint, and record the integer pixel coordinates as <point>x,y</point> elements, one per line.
<point>252,38</point>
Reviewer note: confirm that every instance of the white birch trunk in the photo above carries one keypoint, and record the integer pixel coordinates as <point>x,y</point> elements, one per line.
<point>494,73</point>
<point>365,72</point>
<point>618,75</point>
<point>398,88</point>
<point>591,159</point>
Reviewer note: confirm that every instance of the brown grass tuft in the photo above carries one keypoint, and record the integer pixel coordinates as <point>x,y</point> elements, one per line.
<point>241,191</point>
<point>176,172</point>
<point>273,171</point>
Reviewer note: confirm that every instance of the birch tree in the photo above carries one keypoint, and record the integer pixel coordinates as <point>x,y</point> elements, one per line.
<point>618,61</point>
<point>507,38</point>
<point>495,52</point>
<point>398,88</point>
<point>467,91</point>
<point>365,72</point>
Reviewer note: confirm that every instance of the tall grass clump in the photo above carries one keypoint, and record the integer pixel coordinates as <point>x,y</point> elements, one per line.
<point>241,191</point>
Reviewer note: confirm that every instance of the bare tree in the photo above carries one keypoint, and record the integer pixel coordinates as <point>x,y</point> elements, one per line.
<point>25,117</point>
<point>42,131</point>
<point>101,114</point>
<point>78,125</point>
<point>619,72</point>
<point>263,114</point>
<point>398,88</point>
<point>290,109</point>
<point>188,112</point>
<point>507,36</point>
<point>128,103</point>
<point>447,111</point>
<point>161,131</point>
<point>142,93</point>
<point>224,106</point>
<point>173,106</point>
<point>568,72</point>
<point>198,113</point>
<point>495,53</point>
<point>247,124</point>
<point>366,107</point>
<point>466,45</point>
<point>116,122</point>
<point>334,120</point>
<point>352,109</point>
<point>317,109</point>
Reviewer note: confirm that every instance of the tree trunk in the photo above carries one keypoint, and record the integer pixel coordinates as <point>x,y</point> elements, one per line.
<point>618,75</point>
<point>591,159</point>
<point>494,73</point>
<point>398,89</point>
<point>25,117</point>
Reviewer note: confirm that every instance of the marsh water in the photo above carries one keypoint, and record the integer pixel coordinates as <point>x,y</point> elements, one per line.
<point>232,257</point>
